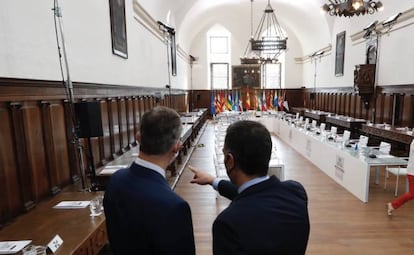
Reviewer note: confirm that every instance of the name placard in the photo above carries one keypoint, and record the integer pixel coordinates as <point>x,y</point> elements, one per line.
<point>55,243</point>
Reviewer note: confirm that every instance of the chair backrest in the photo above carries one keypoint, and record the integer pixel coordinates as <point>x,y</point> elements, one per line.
<point>314,123</point>
<point>347,135</point>
<point>300,118</point>
<point>297,115</point>
<point>306,121</point>
<point>363,141</point>
<point>334,130</point>
<point>323,125</point>
<point>385,147</point>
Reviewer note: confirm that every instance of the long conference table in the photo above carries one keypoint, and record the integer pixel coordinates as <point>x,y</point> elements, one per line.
<point>348,167</point>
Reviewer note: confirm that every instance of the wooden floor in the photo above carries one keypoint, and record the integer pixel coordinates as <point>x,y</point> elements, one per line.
<point>340,223</point>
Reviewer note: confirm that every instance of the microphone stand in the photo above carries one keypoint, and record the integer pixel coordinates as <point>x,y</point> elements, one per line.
<point>68,86</point>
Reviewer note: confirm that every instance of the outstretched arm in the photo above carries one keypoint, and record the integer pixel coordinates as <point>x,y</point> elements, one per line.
<point>224,187</point>
<point>201,177</point>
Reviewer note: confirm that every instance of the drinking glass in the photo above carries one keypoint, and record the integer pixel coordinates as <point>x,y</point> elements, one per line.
<point>96,206</point>
<point>34,250</point>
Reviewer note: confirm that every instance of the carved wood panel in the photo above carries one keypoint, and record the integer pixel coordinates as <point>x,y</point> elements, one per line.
<point>55,139</point>
<point>123,126</point>
<point>114,121</point>
<point>387,113</point>
<point>130,120</point>
<point>105,140</point>
<point>21,151</point>
<point>136,115</point>
<point>10,193</point>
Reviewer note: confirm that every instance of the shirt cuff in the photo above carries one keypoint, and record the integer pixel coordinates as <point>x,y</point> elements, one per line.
<point>216,183</point>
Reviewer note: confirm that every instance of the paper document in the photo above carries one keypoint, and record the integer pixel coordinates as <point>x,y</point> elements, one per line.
<point>72,204</point>
<point>108,170</point>
<point>11,247</point>
<point>385,156</point>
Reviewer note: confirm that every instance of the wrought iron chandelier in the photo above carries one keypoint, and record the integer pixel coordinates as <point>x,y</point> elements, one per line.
<point>268,42</point>
<point>349,8</point>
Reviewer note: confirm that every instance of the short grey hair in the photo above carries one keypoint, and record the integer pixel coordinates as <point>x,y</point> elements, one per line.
<point>160,128</point>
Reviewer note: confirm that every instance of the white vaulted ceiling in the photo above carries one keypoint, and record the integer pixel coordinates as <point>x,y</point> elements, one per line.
<point>301,17</point>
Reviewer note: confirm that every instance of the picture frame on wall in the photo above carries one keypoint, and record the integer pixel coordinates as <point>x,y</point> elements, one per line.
<point>340,54</point>
<point>118,28</point>
<point>246,76</point>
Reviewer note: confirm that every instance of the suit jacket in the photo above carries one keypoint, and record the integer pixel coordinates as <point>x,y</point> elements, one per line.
<point>270,217</point>
<point>144,216</point>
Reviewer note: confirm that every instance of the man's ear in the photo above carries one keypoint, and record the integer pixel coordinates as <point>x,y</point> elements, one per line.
<point>229,160</point>
<point>177,146</point>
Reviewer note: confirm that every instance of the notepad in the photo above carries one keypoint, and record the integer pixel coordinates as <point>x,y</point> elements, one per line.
<point>11,247</point>
<point>71,204</point>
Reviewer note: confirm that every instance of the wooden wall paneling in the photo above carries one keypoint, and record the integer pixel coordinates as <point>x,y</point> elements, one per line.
<point>319,101</point>
<point>352,107</point>
<point>123,125</point>
<point>379,108</point>
<point>56,145</point>
<point>358,107</point>
<point>331,104</point>
<point>73,148</point>
<point>145,104</point>
<point>96,152</point>
<point>141,106</point>
<point>130,121</point>
<point>10,193</point>
<point>325,102</point>
<point>22,164</point>
<point>115,127</point>
<point>105,140</point>
<point>36,149</point>
<point>112,123</point>
<point>341,105</point>
<point>136,116</point>
<point>407,111</point>
<point>387,113</point>
<point>347,106</point>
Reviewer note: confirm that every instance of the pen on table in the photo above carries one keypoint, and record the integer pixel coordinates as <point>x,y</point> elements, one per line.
<point>12,247</point>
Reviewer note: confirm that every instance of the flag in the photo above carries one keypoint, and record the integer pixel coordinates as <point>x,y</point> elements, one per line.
<point>269,100</point>
<point>276,101</point>
<point>258,101</point>
<point>228,102</point>
<point>222,101</point>
<point>281,99</point>
<point>247,100</point>
<point>240,101</point>
<point>264,106</point>
<point>212,104</point>
<point>217,103</point>
<point>236,101</point>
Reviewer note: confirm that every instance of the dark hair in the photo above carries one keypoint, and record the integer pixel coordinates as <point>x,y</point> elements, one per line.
<point>251,145</point>
<point>160,128</point>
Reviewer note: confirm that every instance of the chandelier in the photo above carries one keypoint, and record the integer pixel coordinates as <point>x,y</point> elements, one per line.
<point>268,42</point>
<point>349,8</point>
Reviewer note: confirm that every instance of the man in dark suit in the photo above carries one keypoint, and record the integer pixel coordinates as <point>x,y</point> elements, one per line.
<point>143,215</point>
<point>266,215</point>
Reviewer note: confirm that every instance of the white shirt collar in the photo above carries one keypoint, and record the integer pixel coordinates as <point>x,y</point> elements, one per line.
<point>150,165</point>
<point>251,183</point>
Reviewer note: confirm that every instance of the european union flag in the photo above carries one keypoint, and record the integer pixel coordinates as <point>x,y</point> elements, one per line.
<point>212,104</point>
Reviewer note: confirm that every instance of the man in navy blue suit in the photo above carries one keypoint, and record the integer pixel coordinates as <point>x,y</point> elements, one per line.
<point>266,215</point>
<point>143,215</point>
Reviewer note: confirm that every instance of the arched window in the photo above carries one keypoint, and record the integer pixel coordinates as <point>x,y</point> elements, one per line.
<point>218,57</point>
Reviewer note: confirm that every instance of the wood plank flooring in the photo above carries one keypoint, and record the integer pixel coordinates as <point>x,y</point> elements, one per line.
<point>340,223</point>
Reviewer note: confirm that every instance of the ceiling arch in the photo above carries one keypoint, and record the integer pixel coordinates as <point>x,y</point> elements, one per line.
<point>301,17</point>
